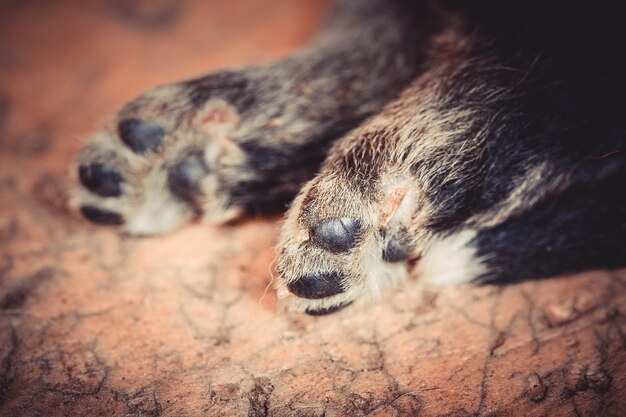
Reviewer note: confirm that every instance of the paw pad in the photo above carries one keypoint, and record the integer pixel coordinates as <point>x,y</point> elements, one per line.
<point>317,285</point>
<point>398,249</point>
<point>337,234</point>
<point>101,180</point>
<point>140,135</point>
<point>101,216</point>
<point>184,178</point>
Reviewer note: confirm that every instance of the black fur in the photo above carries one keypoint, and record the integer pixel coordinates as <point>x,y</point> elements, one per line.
<point>584,228</point>
<point>563,103</point>
<point>563,107</point>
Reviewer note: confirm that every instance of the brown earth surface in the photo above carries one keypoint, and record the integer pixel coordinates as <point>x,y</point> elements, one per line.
<point>93,323</point>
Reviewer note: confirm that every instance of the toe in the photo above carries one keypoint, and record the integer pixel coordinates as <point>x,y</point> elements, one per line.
<point>398,248</point>
<point>317,285</point>
<point>337,234</point>
<point>141,135</point>
<point>184,178</point>
<point>101,180</point>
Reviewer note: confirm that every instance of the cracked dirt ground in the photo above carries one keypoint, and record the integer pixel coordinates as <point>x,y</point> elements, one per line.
<point>96,324</point>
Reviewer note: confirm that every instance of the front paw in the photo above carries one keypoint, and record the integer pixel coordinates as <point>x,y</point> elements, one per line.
<point>345,241</point>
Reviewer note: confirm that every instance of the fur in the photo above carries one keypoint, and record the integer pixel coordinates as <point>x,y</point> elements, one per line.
<point>484,142</point>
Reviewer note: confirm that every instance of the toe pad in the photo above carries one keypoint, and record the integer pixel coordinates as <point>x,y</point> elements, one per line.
<point>317,285</point>
<point>101,180</point>
<point>184,178</point>
<point>337,234</point>
<point>140,135</point>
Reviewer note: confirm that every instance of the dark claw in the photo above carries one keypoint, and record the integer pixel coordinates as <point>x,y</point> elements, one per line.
<point>398,248</point>
<point>327,310</point>
<point>184,178</point>
<point>101,179</point>
<point>100,216</point>
<point>317,285</point>
<point>140,135</point>
<point>337,234</point>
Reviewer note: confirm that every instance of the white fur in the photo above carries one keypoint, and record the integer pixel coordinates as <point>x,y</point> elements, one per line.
<point>451,260</point>
<point>159,213</point>
<point>157,210</point>
<point>379,275</point>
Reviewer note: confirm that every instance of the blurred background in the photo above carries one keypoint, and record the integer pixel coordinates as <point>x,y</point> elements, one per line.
<point>65,65</point>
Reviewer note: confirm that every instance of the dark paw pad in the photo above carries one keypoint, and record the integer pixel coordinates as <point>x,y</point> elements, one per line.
<point>317,285</point>
<point>101,216</point>
<point>398,248</point>
<point>337,234</point>
<point>184,178</point>
<point>101,179</point>
<point>140,135</point>
<point>327,310</point>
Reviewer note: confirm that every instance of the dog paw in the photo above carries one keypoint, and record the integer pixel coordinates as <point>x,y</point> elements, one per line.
<point>145,170</point>
<point>346,239</point>
<point>214,148</point>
